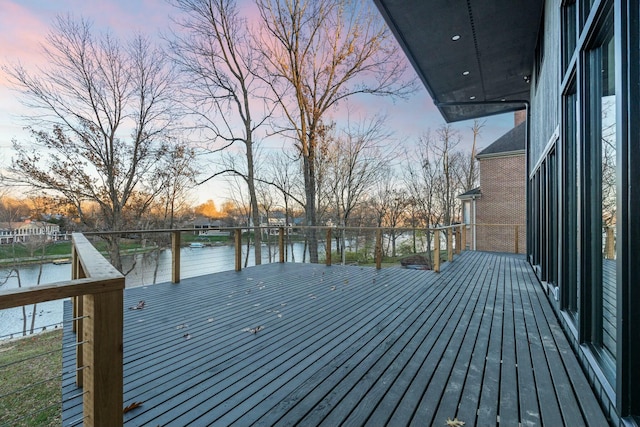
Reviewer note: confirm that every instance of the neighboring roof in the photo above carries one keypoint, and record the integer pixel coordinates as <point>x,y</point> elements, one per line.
<point>512,142</point>
<point>471,194</point>
<point>496,45</point>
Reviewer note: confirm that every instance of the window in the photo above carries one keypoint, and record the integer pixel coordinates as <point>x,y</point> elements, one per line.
<point>569,32</point>
<point>571,202</point>
<point>601,145</point>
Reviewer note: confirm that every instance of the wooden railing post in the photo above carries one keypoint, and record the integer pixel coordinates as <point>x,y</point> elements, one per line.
<point>102,353</point>
<point>463,238</point>
<point>517,237</point>
<point>449,244</point>
<point>458,240</point>
<point>378,249</point>
<point>175,257</point>
<point>77,325</point>
<point>281,243</point>
<point>238,246</point>
<point>328,246</point>
<point>436,251</point>
<point>609,244</point>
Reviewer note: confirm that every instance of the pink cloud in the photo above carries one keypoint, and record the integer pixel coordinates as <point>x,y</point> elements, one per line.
<point>21,35</point>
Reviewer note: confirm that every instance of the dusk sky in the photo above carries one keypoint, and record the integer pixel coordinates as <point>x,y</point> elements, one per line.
<point>25,23</point>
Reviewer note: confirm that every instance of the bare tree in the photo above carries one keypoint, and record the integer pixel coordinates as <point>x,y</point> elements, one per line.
<point>317,53</point>
<point>110,109</point>
<point>242,211</point>
<point>215,53</point>
<point>472,176</point>
<point>360,156</point>
<point>176,177</point>
<point>450,165</point>
<point>423,180</point>
<point>285,178</point>
<point>390,201</point>
<point>356,160</point>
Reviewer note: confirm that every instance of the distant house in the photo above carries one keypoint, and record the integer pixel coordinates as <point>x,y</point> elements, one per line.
<point>499,204</point>
<point>23,231</point>
<point>207,227</point>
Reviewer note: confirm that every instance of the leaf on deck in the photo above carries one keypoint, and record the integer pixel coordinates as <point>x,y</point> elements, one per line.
<point>138,306</point>
<point>253,330</point>
<point>131,407</point>
<point>454,422</point>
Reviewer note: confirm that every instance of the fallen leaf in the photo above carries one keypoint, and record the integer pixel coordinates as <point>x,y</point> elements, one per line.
<point>138,306</point>
<point>333,288</point>
<point>210,319</point>
<point>131,407</point>
<point>187,336</point>
<point>182,326</point>
<point>454,422</point>
<point>256,329</point>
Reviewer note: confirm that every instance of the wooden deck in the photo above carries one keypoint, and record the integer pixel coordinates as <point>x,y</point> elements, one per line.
<point>350,346</point>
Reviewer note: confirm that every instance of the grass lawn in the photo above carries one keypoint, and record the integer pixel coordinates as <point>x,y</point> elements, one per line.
<point>39,405</point>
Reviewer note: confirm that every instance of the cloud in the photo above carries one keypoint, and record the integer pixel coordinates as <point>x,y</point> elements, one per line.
<point>22,33</point>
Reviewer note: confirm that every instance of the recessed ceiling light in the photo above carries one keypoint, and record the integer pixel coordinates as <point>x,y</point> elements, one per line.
<point>455,38</point>
<point>465,73</point>
<point>472,98</point>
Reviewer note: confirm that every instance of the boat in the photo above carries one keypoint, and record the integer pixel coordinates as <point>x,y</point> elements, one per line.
<point>62,261</point>
<point>196,245</point>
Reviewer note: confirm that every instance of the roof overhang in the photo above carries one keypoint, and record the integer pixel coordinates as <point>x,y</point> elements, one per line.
<point>475,57</point>
<point>472,194</point>
<point>501,154</point>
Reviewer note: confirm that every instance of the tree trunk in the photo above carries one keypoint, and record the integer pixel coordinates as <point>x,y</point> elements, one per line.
<point>113,246</point>
<point>253,200</point>
<point>310,207</point>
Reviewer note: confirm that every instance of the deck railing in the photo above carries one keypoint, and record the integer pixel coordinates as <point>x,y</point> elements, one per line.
<point>97,287</point>
<point>496,237</point>
<point>344,245</point>
<point>97,290</point>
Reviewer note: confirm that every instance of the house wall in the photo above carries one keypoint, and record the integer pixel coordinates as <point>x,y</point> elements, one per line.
<point>573,106</point>
<point>546,87</point>
<point>503,201</point>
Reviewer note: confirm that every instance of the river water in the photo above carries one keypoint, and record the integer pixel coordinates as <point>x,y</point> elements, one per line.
<point>143,269</point>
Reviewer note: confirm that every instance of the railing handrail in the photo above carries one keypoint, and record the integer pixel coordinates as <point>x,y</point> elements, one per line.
<point>101,277</point>
<point>231,229</point>
<point>10,298</point>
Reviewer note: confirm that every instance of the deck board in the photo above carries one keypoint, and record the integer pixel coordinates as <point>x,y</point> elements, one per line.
<point>347,345</point>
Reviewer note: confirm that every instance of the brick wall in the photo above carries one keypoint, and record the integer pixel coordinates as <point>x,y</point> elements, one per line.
<point>503,187</point>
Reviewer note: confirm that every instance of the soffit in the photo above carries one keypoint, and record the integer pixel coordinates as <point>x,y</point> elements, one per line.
<point>497,40</point>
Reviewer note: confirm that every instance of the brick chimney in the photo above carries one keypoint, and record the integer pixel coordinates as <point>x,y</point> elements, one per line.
<point>519,117</point>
